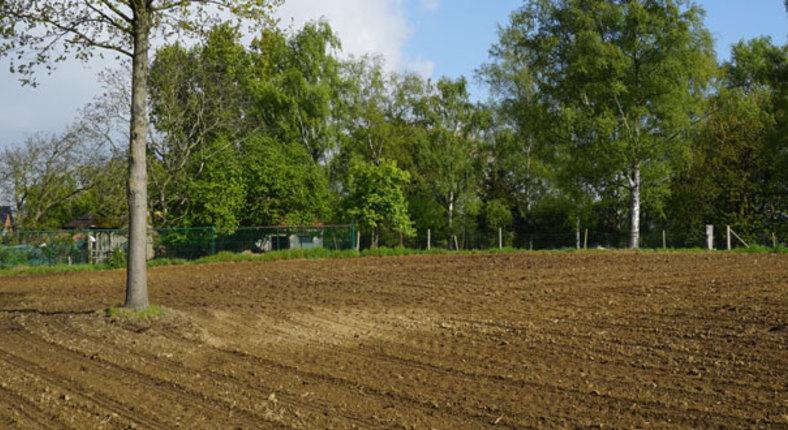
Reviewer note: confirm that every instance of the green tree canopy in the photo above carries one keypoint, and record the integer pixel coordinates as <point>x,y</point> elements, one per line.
<point>375,197</point>
<point>615,86</point>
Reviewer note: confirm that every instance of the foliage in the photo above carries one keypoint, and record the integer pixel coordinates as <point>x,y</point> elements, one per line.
<point>613,86</point>
<point>737,176</point>
<point>376,199</point>
<point>497,214</point>
<point>447,162</point>
<point>293,85</point>
<point>52,177</point>
<point>12,256</point>
<point>243,129</point>
<point>117,259</point>
<point>284,184</point>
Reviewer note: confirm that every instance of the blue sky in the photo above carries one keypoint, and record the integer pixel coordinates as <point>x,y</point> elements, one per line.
<point>433,37</point>
<point>456,37</point>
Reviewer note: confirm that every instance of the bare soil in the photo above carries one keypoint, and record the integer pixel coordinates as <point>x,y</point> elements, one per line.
<point>447,342</point>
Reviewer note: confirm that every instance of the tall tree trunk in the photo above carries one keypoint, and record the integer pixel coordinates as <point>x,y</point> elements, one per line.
<point>634,209</point>
<point>136,271</point>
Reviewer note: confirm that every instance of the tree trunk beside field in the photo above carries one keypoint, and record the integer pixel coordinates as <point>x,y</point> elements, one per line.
<point>45,32</point>
<point>634,209</point>
<point>136,272</point>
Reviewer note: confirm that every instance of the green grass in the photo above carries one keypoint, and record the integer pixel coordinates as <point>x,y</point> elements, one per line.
<point>760,249</point>
<point>152,311</point>
<point>46,270</point>
<point>322,253</point>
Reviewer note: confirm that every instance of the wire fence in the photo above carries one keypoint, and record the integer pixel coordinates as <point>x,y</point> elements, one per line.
<point>105,246</point>
<point>108,246</point>
<point>568,239</point>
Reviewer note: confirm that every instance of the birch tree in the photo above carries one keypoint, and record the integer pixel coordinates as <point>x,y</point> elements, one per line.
<point>617,86</point>
<point>448,156</point>
<point>37,33</point>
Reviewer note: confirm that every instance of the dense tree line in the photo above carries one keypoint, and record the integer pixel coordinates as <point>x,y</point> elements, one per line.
<point>614,114</point>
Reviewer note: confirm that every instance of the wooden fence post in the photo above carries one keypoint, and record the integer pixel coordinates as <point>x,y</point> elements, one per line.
<point>429,239</point>
<point>585,240</point>
<point>728,236</point>
<point>710,237</point>
<point>500,238</point>
<point>577,233</point>
<point>664,240</point>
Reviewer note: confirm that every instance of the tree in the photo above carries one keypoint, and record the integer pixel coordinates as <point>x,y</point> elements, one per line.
<point>375,109</point>
<point>33,30</point>
<point>284,185</point>
<point>738,173</point>
<point>47,173</point>
<point>51,179</point>
<point>199,109</point>
<point>497,214</point>
<point>294,83</point>
<point>376,199</point>
<point>447,159</point>
<point>615,85</point>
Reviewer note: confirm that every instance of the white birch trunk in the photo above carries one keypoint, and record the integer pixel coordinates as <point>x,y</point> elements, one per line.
<point>634,209</point>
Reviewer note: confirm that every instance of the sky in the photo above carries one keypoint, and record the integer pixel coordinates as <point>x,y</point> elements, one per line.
<point>432,37</point>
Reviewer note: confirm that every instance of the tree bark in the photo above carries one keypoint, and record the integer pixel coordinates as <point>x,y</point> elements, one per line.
<point>634,209</point>
<point>136,271</point>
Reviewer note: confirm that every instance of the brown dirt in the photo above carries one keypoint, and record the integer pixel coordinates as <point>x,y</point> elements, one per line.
<point>511,341</point>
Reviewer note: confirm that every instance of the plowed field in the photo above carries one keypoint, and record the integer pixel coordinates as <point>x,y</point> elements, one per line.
<point>448,342</point>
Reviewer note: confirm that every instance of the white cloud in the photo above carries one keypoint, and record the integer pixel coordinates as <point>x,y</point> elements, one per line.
<point>377,27</point>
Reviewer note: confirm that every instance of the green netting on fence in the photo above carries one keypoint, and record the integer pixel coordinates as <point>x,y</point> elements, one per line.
<point>34,248</point>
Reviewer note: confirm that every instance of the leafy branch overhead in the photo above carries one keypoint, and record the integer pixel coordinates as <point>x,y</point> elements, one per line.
<point>43,33</point>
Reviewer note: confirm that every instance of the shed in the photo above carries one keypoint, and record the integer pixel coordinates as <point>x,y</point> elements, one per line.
<point>84,222</point>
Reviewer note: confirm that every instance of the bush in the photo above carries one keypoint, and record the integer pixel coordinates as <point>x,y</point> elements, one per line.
<point>117,259</point>
<point>11,256</point>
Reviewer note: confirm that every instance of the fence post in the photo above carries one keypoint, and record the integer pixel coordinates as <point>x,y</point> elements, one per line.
<point>728,236</point>
<point>429,239</point>
<point>585,240</point>
<point>577,233</point>
<point>358,240</point>
<point>710,237</point>
<point>774,240</point>
<point>500,238</point>
<point>664,240</point>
